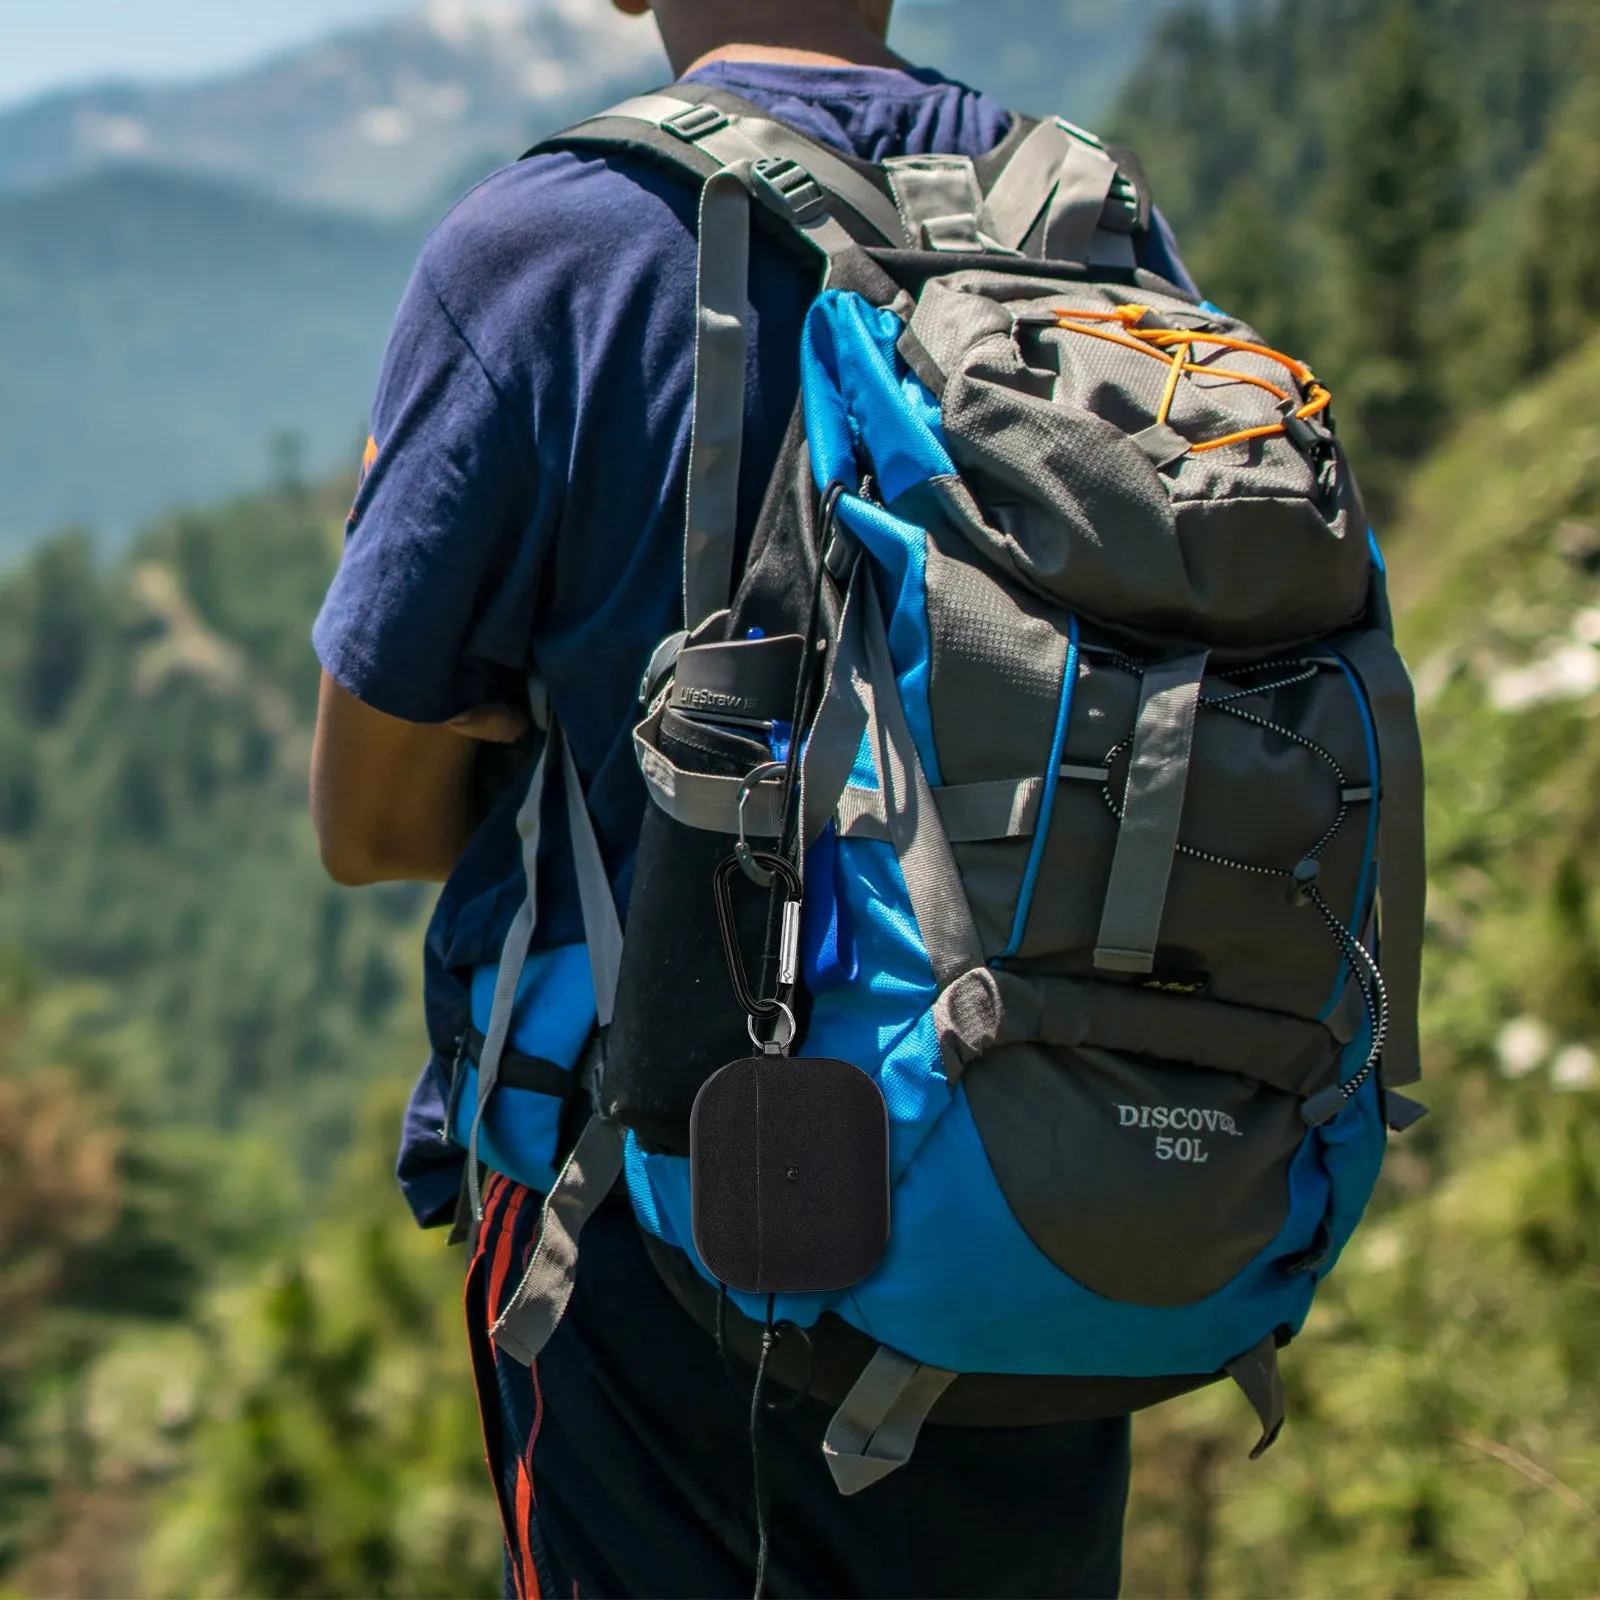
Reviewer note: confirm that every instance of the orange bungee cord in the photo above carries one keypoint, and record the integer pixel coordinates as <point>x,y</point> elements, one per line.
<point>1181,343</point>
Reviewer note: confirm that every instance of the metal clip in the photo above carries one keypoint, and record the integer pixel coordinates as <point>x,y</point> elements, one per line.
<point>777,869</point>
<point>749,861</point>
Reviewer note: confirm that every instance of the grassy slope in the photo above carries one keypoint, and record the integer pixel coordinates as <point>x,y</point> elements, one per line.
<point>1446,1395</point>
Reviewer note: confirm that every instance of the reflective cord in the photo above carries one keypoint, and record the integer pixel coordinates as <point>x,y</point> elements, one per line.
<point>1327,1103</point>
<point>1325,1106</point>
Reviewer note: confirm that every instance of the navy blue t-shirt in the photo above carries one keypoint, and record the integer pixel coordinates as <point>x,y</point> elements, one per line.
<point>522,507</point>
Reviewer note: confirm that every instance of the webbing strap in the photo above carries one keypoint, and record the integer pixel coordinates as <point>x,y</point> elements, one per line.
<point>835,739</point>
<point>1003,808</point>
<point>721,358</point>
<point>602,927</point>
<point>1066,178</point>
<point>1402,844</point>
<point>1079,202</point>
<point>938,900</point>
<point>939,199</point>
<point>1257,1375</point>
<point>1152,811</point>
<point>513,957</point>
<point>874,1431</point>
<point>741,136</point>
<point>1018,196</point>
<point>705,800</point>
<point>536,1309</point>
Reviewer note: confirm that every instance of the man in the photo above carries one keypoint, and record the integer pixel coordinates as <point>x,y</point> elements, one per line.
<point>522,508</point>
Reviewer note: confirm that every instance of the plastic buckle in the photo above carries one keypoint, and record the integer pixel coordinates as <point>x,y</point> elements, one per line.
<point>790,189</point>
<point>695,123</point>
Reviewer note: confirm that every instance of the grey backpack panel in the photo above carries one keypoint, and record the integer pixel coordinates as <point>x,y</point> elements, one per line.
<point>1241,547</point>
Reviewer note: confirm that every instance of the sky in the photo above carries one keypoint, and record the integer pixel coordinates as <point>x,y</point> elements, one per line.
<point>47,44</point>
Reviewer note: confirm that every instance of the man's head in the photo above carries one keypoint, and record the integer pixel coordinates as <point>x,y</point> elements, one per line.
<point>850,31</point>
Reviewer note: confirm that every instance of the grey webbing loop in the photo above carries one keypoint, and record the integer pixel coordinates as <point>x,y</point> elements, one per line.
<point>874,1431</point>
<point>1402,844</point>
<point>703,800</point>
<point>591,1172</point>
<point>1087,174</point>
<point>939,200</point>
<point>933,881</point>
<point>721,359</point>
<point>1402,1112</point>
<point>1256,1373</point>
<point>835,739</point>
<point>513,957</point>
<point>602,927</point>
<point>1003,808</point>
<point>1018,196</point>
<point>1152,811</point>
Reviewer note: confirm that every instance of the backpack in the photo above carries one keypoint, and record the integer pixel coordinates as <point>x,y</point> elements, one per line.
<point>1059,678</point>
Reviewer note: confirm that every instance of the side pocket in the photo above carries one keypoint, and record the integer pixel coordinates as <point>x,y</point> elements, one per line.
<point>676,1020</point>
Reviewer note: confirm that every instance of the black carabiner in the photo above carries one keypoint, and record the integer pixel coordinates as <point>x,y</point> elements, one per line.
<point>783,870</point>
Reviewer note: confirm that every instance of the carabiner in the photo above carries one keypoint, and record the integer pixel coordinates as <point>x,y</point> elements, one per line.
<point>776,868</point>
<point>747,858</point>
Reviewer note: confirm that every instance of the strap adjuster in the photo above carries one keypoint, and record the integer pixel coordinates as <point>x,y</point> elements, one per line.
<point>695,123</point>
<point>790,189</point>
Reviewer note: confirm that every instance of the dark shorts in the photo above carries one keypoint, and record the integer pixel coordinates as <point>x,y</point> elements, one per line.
<point>623,1461</point>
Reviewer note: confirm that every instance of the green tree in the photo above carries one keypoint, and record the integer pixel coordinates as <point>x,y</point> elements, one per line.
<point>1397,204</point>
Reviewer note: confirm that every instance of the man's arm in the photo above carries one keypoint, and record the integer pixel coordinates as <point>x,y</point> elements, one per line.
<point>390,800</point>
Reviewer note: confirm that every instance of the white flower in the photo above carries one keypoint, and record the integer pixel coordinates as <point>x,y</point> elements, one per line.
<point>1575,1068</point>
<point>1523,1046</point>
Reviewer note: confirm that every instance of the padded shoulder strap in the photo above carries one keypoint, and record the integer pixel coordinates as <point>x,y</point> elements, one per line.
<point>734,154</point>
<point>700,130</point>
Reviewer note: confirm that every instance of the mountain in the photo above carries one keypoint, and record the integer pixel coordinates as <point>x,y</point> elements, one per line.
<point>376,120</point>
<point>187,272</point>
<point>385,119</point>
<point>158,330</point>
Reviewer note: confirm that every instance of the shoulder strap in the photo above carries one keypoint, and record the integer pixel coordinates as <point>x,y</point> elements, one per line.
<point>735,154</point>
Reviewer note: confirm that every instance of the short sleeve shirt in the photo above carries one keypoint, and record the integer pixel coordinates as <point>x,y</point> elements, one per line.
<point>521,509</point>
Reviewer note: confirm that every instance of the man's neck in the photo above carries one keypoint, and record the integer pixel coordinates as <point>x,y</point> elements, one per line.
<point>789,56</point>
<point>807,35</point>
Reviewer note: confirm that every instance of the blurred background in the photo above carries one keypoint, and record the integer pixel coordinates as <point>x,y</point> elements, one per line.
<point>228,1364</point>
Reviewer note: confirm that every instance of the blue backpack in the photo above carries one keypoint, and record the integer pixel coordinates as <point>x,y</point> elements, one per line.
<point>1059,682</point>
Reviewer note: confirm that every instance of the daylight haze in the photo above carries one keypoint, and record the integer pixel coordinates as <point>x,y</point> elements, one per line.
<point>53,44</point>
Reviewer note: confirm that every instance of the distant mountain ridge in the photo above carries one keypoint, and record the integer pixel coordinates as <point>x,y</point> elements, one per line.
<point>385,120</point>
<point>186,272</point>
<point>376,120</point>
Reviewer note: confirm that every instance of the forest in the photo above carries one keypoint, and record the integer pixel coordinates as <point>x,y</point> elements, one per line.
<point>229,1363</point>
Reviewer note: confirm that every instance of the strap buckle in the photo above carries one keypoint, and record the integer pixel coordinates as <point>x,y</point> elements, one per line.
<point>790,190</point>
<point>695,123</point>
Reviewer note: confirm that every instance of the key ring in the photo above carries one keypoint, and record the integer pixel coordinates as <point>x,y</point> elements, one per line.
<point>783,1035</point>
<point>749,864</point>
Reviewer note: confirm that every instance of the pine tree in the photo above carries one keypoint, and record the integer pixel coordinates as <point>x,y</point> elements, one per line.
<point>1397,206</point>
